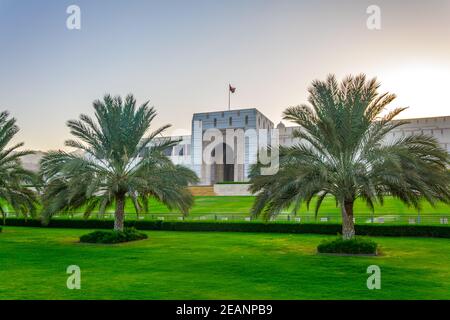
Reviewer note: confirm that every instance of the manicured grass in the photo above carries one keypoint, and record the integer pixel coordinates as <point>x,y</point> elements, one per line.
<point>214,265</point>
<point>207,205</point>
<point>241,206</point>
<point>238,207</point>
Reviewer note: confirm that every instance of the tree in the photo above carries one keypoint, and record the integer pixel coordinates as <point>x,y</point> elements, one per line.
<point>15,181</point>
<point>346,149</point>
<point>115,161</point>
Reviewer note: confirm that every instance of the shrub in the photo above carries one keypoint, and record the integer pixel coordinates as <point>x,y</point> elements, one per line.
<point>232,182</point>
<point>128,234</point>
<point>353,246</point>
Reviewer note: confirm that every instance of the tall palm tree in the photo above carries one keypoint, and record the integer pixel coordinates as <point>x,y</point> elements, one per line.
<point>14,179</point>
<point>346,151</point>
<point>117,160</point>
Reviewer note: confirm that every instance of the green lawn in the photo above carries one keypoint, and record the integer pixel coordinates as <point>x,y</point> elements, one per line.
<point>207,205</point>
<point>243,204</point>
<point>194,265</point>
<point>238,207</point>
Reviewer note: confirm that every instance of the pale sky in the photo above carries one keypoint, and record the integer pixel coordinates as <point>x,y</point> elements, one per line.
<point>181,55</point>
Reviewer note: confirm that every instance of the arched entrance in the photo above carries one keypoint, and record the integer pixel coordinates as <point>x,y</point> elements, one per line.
<point>223,171</point>
<point>228,168</point>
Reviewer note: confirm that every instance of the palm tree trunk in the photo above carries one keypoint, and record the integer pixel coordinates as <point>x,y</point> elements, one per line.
<point>120,212</point>
<point>348,227</point>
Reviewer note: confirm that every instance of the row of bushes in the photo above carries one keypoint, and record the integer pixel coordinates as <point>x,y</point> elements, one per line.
<point>232,182</point>
<point>369,230</point>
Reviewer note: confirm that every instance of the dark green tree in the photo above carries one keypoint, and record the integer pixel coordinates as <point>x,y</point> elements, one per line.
<point>116,160</point>
<point>345,150</point>
<point>15,181</point>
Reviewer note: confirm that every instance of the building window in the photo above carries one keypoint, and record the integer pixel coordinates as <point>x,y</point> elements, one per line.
<point>246,120</point>
<point>230,121</point>
<point>168,152</point>
<point>238,113</point>
<point>215,122</point>
<point>223,114</point>
<point>207,116</point>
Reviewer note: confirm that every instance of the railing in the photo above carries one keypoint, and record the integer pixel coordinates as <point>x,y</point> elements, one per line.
<point>405,219</point>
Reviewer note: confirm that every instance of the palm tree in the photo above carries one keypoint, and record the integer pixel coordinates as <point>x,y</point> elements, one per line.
<point>14,179</point>
<point>115,161</point>
<point>345,150</point>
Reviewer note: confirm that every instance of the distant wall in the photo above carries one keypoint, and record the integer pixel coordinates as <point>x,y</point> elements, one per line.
<point>232,189</point>
<point>202,190</point>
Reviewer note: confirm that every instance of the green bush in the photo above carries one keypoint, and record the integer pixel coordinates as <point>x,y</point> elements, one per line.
<point>232,182</point>
<point>128,234</point>
<point>356,245</point>
<point>438,231</point>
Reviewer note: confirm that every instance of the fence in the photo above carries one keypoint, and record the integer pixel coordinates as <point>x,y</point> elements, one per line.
<point>405,219</point>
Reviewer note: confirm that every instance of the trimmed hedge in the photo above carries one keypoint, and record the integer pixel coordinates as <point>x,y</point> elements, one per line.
<point>270,227</point>
<point>232,182</point>
<point>353,246</point>
<point>112,236</point>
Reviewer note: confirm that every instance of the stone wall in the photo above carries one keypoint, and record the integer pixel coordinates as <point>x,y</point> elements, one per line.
<point>232,189</point>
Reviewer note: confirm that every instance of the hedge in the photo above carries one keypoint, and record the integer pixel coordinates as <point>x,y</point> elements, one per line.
<point>232,182</point>
<point>357,245</point>
<point>113,236</point>
<point>271,227</point>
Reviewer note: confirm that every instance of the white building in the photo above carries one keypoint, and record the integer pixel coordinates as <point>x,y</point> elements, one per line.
<point>229,158</point>
<point>223,144</point>
<point>438,127</point>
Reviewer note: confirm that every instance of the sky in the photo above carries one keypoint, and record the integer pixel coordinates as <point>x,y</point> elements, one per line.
<point>181,56</point>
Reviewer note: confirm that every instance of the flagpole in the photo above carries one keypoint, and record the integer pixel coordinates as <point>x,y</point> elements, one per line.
<point>229,94</point>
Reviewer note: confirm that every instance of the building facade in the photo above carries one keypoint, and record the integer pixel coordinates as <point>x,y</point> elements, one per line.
<point>224,144</point>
